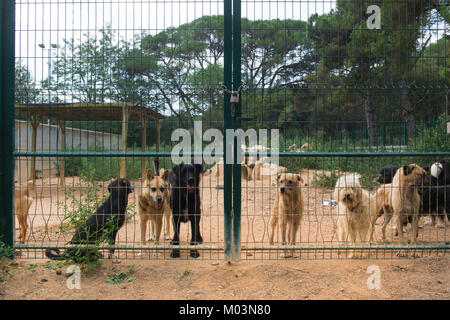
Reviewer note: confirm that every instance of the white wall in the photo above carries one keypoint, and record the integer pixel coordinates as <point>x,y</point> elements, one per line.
<point>49,139</point>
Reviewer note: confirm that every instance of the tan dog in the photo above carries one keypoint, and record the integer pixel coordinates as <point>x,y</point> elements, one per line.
<point>403,200</point>
<point>288,208</point>
<point>357,211</point>
<point>22,203</point>
<point>153,204</point>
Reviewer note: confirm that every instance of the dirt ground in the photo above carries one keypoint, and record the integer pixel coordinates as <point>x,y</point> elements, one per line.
<point>422,278</point>
<point>261,274</point>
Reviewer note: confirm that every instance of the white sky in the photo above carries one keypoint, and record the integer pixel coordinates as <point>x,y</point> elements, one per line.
<point>50,21</point>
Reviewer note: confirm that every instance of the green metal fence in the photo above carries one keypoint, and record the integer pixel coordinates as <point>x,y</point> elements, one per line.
<point>101,88</point>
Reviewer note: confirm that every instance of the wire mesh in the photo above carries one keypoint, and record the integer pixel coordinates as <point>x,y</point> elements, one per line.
<point>102,86</point>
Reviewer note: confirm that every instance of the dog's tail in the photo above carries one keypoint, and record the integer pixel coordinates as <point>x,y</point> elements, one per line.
<point>49,254</point>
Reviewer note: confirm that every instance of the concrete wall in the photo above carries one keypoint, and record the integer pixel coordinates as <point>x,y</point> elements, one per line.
<point>49,139</point>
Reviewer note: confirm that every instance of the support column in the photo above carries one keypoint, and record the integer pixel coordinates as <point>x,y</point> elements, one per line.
<point>34,127</point>
<point>144,147</point>
<point>123,164</point>
<point>62,161</point>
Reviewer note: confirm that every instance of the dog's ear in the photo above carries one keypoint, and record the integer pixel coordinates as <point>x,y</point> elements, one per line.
<point>165,175</point>
<point>176,169</point>
<point>198,168</point>
<point>113,184</point>
<point>299,178</point>
<point>278,177</point>
<point>149,174</point>
<point>407,169</point>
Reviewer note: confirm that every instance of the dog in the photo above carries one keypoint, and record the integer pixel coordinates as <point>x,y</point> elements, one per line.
<point>434,194</point>
<point>386,174</point>
<point>287,210</point>
<point>22,204</point>
<point>153,204</point>
<point>356,211</point>
<point>440,172</point>
<point>185,204</point>
<point>105,222</point>
<point>404,199</point>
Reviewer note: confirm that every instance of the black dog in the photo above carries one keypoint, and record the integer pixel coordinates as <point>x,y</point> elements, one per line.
<point>185,203</point>
<point>386,174</point>
<point>434,191</point>
<point>104,223</point>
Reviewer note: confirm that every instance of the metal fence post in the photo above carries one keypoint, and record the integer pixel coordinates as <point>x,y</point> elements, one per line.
<point>227,194</point>
<point>7,16</point>
<point>236,124</point>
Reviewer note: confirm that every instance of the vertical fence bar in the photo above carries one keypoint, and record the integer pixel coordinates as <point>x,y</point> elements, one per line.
<point>227,168</point>
<point>7,120</point>
<point>236,124</point>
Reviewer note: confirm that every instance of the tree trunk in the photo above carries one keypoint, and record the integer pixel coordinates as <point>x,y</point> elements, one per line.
<point>407,110</point>
<point>371,118</point>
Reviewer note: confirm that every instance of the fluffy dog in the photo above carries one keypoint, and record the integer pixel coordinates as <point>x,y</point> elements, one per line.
<point>153,204</point>
<point>185,203</point>
<point>434,193</point>
<point>405,199</point>
<point>22,203</point>
<point>356,210</point>
<point>105,222</point>
<point>288,208</point>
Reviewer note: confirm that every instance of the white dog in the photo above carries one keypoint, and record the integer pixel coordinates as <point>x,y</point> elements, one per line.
<point>357,211</point>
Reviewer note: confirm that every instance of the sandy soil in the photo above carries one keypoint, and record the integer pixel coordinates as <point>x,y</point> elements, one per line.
<point>423,278</point>
<point>314,274</point>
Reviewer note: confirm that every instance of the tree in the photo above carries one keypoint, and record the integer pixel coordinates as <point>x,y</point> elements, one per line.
<point>26,91</point>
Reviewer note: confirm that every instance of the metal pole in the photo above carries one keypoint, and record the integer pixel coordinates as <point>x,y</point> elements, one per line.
<point>7,15</point>
<point>228,123</point>
<point>236,124</point>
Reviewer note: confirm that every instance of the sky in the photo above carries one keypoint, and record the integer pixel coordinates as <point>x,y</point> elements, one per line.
<point>50,21</point>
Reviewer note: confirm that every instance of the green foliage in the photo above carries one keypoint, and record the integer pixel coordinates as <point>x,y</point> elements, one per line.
<point>5,252</point>
<point>118,277</point>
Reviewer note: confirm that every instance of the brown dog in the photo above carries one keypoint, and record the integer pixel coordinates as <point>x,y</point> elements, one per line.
<point>405,199</point>
<point>22,203</point>
<point>153,204</point>
<point>288,208</point>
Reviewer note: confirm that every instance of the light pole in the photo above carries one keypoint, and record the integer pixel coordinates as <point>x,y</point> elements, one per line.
<point>53,46</point>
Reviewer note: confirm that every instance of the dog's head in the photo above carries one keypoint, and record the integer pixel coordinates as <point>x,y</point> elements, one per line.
<point>188,175</point>
<point>288,183</point>
<point>386,174</point>
<point>436,168</point>
<point>157,187</point>
<point>120,186</point>
<point>412,174</point>
<point>350,196</point>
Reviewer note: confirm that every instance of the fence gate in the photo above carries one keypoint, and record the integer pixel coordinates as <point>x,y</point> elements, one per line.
<point>314,89</point>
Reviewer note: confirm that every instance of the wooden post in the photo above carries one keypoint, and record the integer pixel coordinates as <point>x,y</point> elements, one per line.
<point>34,126</point>
<point>62,161</point>
<point>144,146</point>
<point>123,164</point>
<point>158,140</point>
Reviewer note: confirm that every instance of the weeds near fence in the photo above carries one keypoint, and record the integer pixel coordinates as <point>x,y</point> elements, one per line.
<point>77,208</point>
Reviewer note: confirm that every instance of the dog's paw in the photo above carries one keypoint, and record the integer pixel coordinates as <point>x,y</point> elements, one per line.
<point>152,237</point>
<point>167,237</point>
<point>194,254</point>
<point>156,254</point>
<point>175,254</point>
